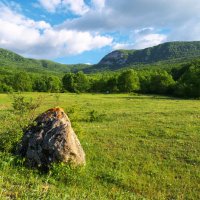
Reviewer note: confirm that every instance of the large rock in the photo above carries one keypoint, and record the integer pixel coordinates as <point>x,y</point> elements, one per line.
<point>51,139</point>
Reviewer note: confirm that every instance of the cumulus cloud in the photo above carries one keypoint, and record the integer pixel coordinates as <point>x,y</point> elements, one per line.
<point>39,39</point>
<point>142,38</point>
<point>145,21</point>
<point>126,15</point>
<point>98,4</point>
<point>149,40</point>
<point>188,31</point>
<point>77,7</point>
<point>50,5</point>
<point>147,37</point>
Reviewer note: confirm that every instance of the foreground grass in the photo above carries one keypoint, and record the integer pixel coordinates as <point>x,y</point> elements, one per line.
<point>137,147</point>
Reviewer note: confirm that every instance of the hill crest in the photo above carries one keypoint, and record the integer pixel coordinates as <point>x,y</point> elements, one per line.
<point>162,52</point>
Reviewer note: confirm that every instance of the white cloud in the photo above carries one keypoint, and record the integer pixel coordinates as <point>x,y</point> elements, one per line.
<point>12,17</point>
<point>149,40</point>
<point>126,15</point>
<point>50,5</point>
<point>186,32</point>
<point>147,37</point>
<point>39,39</point>
<point>142,20</point>
<point>143,38</point>
<point>98,4</point>
<point>11,4</point>
<point>77,7</point>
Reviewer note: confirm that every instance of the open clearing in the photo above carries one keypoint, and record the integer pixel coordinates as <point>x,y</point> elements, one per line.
<point>137,147</point>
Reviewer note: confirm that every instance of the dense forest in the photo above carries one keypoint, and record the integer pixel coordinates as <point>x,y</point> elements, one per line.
<point>166,69</point>
<point>181,81</point>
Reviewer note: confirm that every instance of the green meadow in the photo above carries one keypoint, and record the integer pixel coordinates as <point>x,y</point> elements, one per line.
<point>137,147</point>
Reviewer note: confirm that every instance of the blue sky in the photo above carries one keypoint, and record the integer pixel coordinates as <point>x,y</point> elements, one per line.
<point>78,31</point>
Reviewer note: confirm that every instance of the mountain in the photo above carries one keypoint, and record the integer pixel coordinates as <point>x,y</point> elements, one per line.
<point>166,53</point>
<point>12,61</point>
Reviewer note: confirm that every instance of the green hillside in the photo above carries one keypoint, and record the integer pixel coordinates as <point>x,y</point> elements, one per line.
<point>10,61</point>
<point>169,53</point>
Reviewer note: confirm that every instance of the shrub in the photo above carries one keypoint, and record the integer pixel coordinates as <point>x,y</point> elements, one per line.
<point>14,121</point>
<point>95,116</point>
<point>5,88</point>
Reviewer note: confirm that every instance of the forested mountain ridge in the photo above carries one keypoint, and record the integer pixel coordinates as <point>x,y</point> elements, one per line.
<point>166,55</point>
<point>12,61</point>
<point>169,52</point>
<point>21,74</point>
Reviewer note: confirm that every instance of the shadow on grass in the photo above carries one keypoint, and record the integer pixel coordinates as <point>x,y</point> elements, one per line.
<point>107,178</point>
<point>143,97</point>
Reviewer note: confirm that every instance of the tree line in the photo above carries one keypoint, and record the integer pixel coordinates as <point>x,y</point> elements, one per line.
<point>183,82</point>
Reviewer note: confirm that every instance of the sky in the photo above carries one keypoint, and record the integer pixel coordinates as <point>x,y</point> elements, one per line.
<point>83,31</point>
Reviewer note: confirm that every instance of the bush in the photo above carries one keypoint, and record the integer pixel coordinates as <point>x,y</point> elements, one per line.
<point>10,132</point>
<point>25,107</point>
<point>14,121</point>
<point>94,116</point>
<point>5,88</point>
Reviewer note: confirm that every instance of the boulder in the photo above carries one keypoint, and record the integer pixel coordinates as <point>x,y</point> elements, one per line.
<point>51,139</point>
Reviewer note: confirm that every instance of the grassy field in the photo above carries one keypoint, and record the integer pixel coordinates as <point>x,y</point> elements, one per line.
<point>137,147</point>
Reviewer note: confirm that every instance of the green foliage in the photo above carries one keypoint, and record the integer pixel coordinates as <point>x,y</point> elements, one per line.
<point>112,85</point>
<point>22,105</point>
<point>161,83</point>
<point>5,88</point>
<point>94,116</point>
<point>81,82</point>
<point>10,132</point>
<point>53,84</point>
<point>76,82</point>
<point>68,82</point>
<point>181,81</point>
<point>189,82</point>
<point>13,122</point>
<point>41,84</point>
<point>22,82</point>
<point>169,52</point>
<point>128,81</point>
<point>99,85</point>
<point>14,61</point>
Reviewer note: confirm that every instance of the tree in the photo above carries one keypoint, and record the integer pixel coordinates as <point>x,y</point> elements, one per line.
<point>68,82</point>
<point>145,80</point>
<point>81,82</point>
<point>53,84</point>
<point>162,83</point>
<point>40,84</point>
<point>22,82</point>
<point>189,83</point>
<point>5,88</point>
<point>128,81</point>
<point>112,84</point>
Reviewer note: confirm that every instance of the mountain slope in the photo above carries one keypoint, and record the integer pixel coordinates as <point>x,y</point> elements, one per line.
<point>165,55</point>
<point>12,61</point>
<point>166,52</point>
